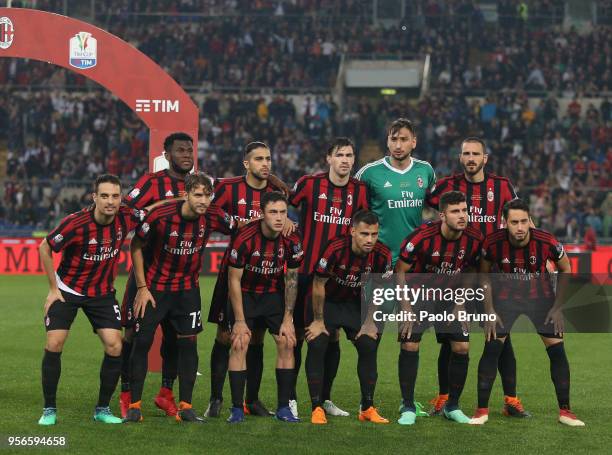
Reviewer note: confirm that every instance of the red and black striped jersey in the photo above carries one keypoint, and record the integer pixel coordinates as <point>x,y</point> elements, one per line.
<point>154,187</point>
<point>90,251</point>
<point>527,263</point>
<point>428,251</point>
<point>344,268</point>
<point>178,244</point>
<point>264,259</point>
<point>326,212</point>
<point>485,199</point>
<point>234,196</point>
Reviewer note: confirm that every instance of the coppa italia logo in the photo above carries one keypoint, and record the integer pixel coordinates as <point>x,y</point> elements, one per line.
<point>157,106</point>
<point>83,51</point>
<point>7,33</point>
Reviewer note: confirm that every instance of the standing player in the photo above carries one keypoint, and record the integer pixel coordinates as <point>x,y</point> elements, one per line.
<point>521,252</point>
<point>397,185</point>
<point>240,197</point>
<point>486,195</point>
<point>447,247</point>
<point>90,242</point>
<point>166,184</point>
<point>173,236</point>
<point>336,302</point>
<point>259,254</point>
<point>328,201</point>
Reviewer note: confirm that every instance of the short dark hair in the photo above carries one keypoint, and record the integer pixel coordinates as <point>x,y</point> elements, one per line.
<point>451,198</point>
<point>365,216</point>
<point>475,139</point>
<point>338,143</point>
<point>192,181</point>
<point>254,145</point>
<point>400,123</point>
<point>176,137</point>
<point>106,178</point>
<point>270,197</point>
<point>515,204</point>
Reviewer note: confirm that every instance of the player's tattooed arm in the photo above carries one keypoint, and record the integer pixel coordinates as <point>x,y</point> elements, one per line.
<point>318,296</point>
<point>318,301</point>
<point>46,257</point>
<point>291,282</point>
<point>274,180</point>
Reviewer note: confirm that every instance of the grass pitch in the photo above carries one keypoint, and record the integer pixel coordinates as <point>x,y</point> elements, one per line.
<point>22,338</point>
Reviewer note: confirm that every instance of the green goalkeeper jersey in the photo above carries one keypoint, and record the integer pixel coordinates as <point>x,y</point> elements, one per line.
<point>397,197</point>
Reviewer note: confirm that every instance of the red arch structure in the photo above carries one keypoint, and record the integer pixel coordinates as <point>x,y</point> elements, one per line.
<point>129,74</point>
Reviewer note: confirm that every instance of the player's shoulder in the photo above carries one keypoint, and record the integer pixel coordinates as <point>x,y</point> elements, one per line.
<point>355,181</point>
<point>312,177</point>
<point>453,178</point>
<point>422,164</point>
<point>77,219</point>
<point>366,169</point>
<point>500,178</point>
<point>339,243</point>
<point>428,229</point>
<point>293,238</point>
<point>247,231</point>
<point>543,236</point>
<point>165,210</point>
<point>474,233</point>
<point>496,237</point>
<point>229,180</point>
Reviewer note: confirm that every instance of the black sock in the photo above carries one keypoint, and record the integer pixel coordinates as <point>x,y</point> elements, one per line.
<point>126,353</point>
<point>219,358</point>
<point>284,380</point>
<point>187,366</point>
<point>443,360</point>
<point>408,366</point>
<point>507,368</point>
<point>254,361</point>
<point>487,370</point>
<point>297,355</point>
<point>51,370</point>
<point>139,364</point>
<point>237,380</point>
<point>367,369</point>
<point>169,354</point>
<point>109,376</point>
<point>560,373</point>
<point>315,367</point>
<point>457,373</point>
<point>332,361</point>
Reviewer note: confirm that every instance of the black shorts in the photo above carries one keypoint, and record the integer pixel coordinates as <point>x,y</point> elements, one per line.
<point>444,330</point>
<point>263,311</point>
<point>220,307</point>
<point>127,304</point>
<point>182,309</point>
<point>535,310</point>
<point>102,312</point>
<point>342,315</point>
<point>302,314</point>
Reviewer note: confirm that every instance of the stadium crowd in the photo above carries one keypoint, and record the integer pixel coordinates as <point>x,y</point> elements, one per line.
<point>73,139</point>
<point>297,45</point>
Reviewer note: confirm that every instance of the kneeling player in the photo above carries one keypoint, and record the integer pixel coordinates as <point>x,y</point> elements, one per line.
<point>90,241</point>
<point>172,238</point>
<point>521,252</point>
<point>336,304</point>
<point>256,280</point>
<point>445,247</point>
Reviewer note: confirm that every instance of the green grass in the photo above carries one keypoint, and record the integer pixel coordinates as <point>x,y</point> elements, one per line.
<point>22,338</point>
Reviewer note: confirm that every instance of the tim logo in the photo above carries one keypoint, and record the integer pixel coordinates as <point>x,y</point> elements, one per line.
<point>83,51</point>
<point>157,105</point>
<point>7,33</point>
